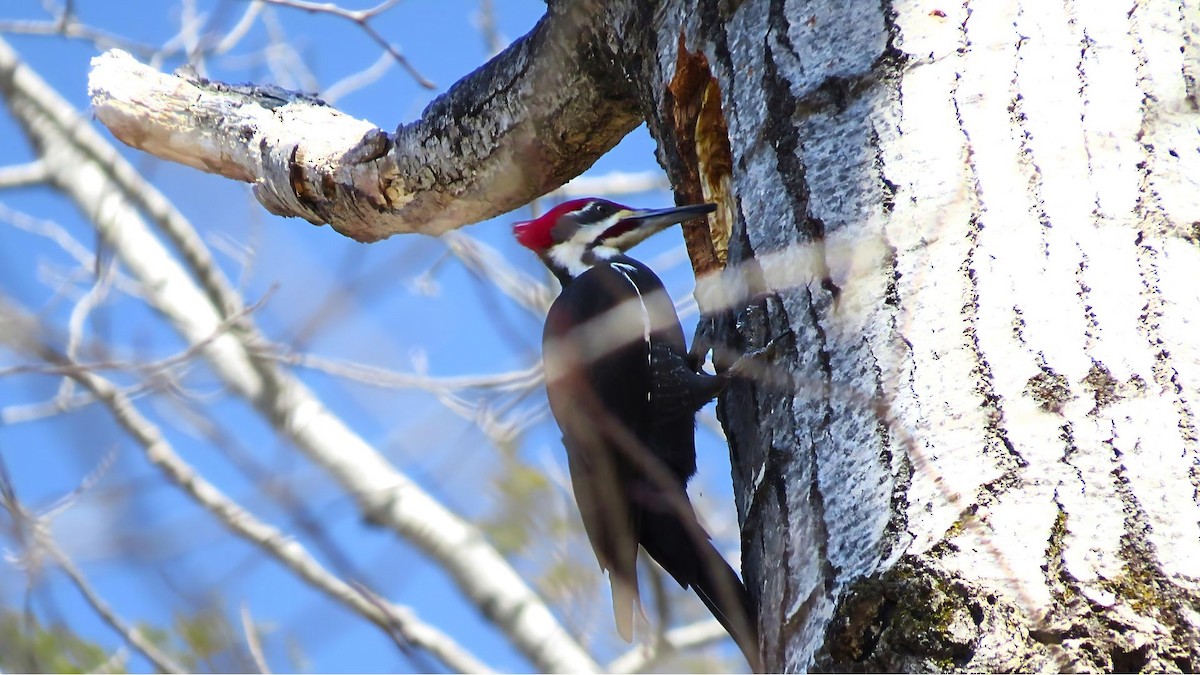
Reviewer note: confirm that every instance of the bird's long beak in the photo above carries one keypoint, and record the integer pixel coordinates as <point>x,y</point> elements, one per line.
<point>635,226</point>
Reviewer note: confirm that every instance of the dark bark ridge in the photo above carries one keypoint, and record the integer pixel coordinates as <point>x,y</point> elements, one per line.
<point>784,440</point>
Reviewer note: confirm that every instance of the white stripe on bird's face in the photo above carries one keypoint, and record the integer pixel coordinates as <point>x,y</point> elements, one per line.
<point>578,253</point>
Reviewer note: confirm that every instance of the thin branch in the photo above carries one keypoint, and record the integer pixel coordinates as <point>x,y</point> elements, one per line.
<point>516,380</point>
<point>95,296</point>
<point>252,643</point>
<point>77,31</point>
<point>30,412</point>
<point>152,368</point>
<point>288,67</point>
<point>197,48</point>
<point>674,641</point>
<point>362,18</point>
<point>356,81</point>
<point>612,184</point>
<point>49,229</point>
<point>89,481</point>
<point>187,39</point>
<point>517,383</point>
<point>484,19</point>
<point>486,262</point>
<point>41,542</point>
<point>24,175</point>
<point>240,29</point>
<point>132,635</point>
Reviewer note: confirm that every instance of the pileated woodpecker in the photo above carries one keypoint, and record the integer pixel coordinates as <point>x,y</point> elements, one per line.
<point>625,392</point>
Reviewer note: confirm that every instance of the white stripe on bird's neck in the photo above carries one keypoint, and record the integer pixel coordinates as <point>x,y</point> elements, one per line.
<point>625,270</point>
<point>577,257</point>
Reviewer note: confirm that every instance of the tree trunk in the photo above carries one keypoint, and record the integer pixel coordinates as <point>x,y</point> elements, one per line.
<point>976,226</point>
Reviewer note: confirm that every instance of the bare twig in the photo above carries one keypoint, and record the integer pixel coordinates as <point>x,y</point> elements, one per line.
<point>356,81</point>
<point>612,184</point>
<point>518,384</point>
<point>50,230</point>
<point>484,19</point>
<point>95,296</point>
<point>77,31</point>
<point>517,380</point>
<point>188,38</point>
<point>16,414</point>
<point>71,366</point>
<point>362,18</point>
<point>40,542</point>
<point>252,643</point>
<point>240,29</point>
<point>131,634</point>
<point>486,262</point>
<point>674,641</point>
<point>68,500</point>
<point>288,67</point>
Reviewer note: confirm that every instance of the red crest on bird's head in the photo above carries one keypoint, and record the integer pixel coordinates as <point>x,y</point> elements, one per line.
<point>537,234</point>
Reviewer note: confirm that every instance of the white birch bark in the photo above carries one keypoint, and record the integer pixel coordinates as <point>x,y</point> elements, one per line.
<point>990,458</point>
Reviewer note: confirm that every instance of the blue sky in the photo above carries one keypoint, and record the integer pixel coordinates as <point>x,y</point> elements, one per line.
<point>390,304</point>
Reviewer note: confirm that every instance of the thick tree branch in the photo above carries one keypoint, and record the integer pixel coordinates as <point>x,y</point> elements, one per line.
<point>538,114</point>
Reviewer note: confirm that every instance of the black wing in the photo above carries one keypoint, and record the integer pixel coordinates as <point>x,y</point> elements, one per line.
<point>624,394</point>
<point>598,380</point>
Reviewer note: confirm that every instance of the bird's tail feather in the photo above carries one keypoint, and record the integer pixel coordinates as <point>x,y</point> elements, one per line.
<point>624,596</point>
<point>720,589</point>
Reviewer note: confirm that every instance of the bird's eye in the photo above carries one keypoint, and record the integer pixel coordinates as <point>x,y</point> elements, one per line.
<point>600,209</point>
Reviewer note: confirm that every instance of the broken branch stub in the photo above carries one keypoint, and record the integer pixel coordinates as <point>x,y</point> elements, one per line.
<point>529,120</point>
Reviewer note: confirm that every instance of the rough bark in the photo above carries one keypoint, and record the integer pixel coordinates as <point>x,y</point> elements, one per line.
<point>978,226</point>
<point>974,230</point>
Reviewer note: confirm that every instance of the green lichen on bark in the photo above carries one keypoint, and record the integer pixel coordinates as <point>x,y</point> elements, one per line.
<point>1150,597</point>
<point>1059,581</point>
<point>914,618</point>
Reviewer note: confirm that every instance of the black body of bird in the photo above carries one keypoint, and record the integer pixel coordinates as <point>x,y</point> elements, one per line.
<point>625,393</point>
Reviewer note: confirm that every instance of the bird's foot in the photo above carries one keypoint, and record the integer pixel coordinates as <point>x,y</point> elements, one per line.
<point>703,341</point>
<point>747,324</point>
<point>756,364</point>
